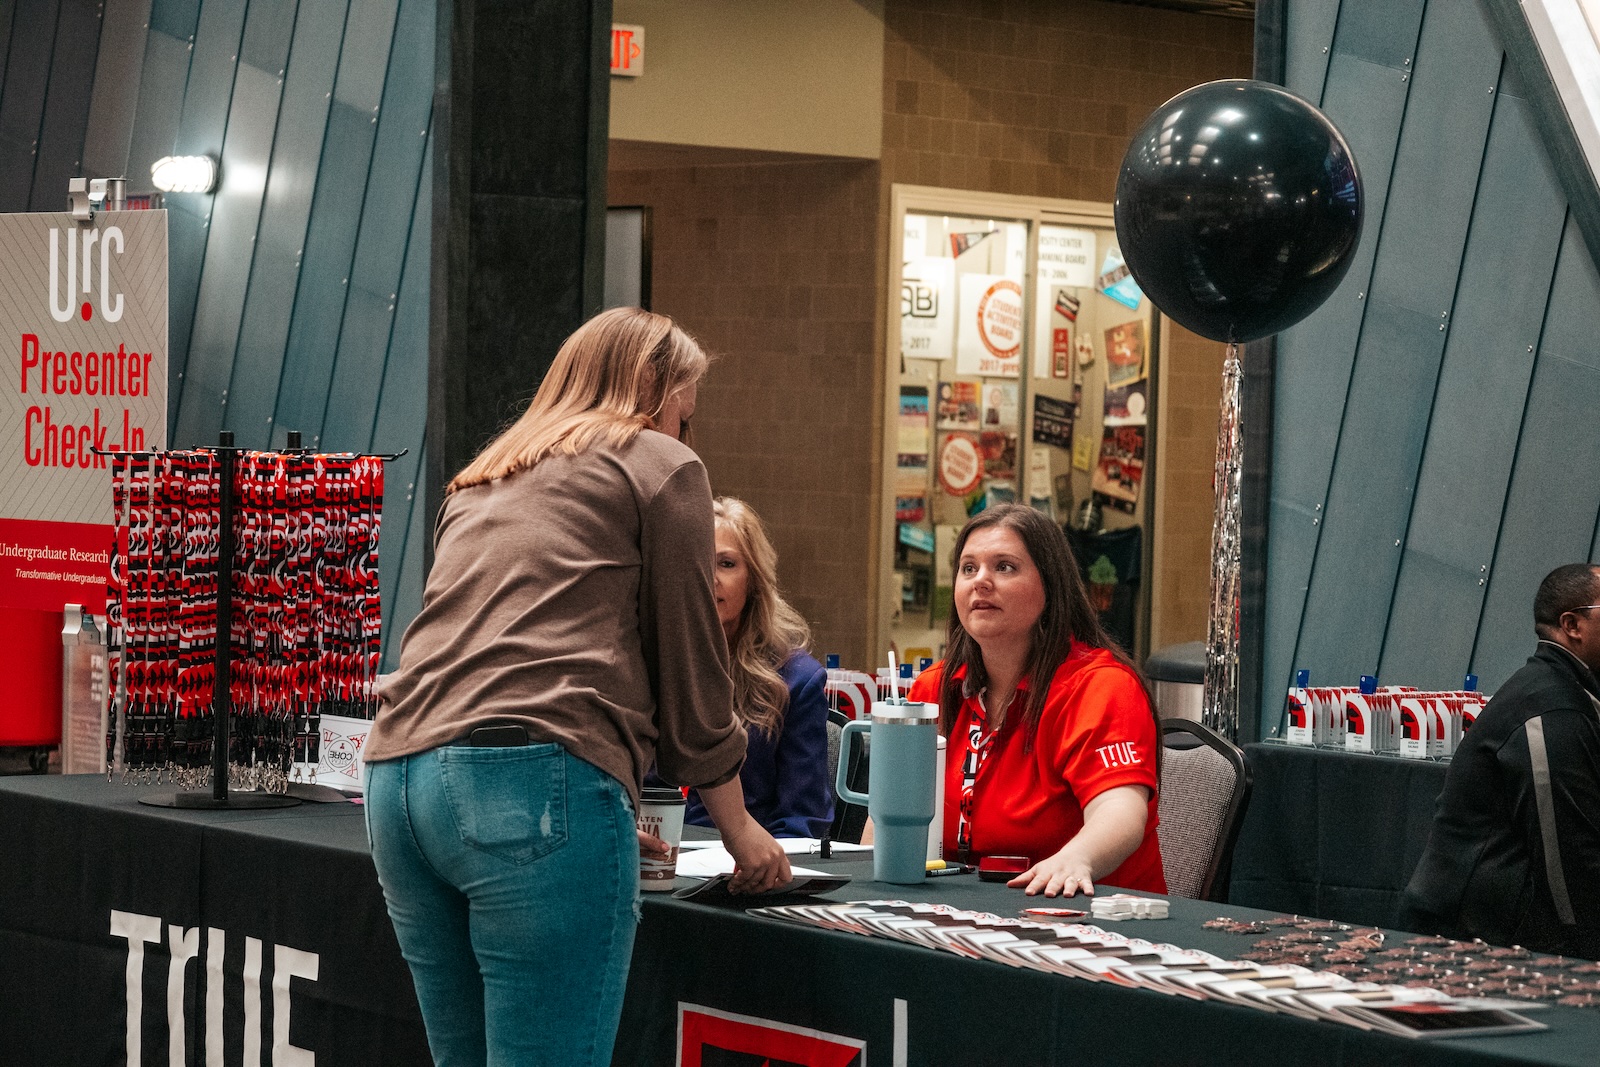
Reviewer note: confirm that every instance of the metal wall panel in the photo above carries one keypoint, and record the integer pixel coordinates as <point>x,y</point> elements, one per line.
<point>1438,159</point>
<point>392,180</point>
<point>336,215</point>
<point>1369,495</point>
<point>402,421</point>
<point>225,275</point>
<point>33,30</point>
<point>267,34</point>
<point>1483,387</point>
<point>1459,443</point>
<point>66,104</point>
<point>321,205</point>
<point>325,271</point>
<point>175,18</point>
<point>8,10</point>
<point>280,240</point>
<point>1315,360</point>
<point>162,79</point>
<point>1308,40</point>
<point>365,62</point>
<point>381,247</point>
<point>1555,488</point>
<point>1412,290</point>
<point>207,100</point>
<point>1382,32</point>
<point>119,66</point>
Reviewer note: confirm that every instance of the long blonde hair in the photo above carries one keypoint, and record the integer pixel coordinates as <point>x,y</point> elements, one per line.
<point>769,630</point>
<point>609,381</point>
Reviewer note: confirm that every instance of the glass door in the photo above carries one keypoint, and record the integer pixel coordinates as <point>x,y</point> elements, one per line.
<point>1021,370</point>
<point>963,342</point>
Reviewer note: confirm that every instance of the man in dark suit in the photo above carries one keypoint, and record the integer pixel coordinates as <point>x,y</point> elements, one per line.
<point>1514,854</point>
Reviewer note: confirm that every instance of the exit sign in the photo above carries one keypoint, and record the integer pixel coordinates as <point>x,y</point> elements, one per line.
<point>627,51</point>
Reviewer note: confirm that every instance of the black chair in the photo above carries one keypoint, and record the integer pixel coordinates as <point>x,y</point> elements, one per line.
<point>849,820</point>
<point>1205,786</point>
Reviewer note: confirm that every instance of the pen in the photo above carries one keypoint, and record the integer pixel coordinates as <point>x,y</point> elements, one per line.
<point>950,868</point>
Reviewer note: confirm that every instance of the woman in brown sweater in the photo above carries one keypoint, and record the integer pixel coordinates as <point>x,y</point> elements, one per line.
<point>568,637</point>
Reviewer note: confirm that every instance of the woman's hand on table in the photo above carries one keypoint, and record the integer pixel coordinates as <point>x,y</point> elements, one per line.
<point>759,861</point>
<point>1064,874</point>
<point>1113,826</point>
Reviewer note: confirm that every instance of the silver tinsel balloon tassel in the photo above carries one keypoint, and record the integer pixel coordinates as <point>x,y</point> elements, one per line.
<point>1220,710</point>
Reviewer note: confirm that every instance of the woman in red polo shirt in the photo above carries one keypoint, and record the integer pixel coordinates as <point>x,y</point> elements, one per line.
<point>1054,748</point>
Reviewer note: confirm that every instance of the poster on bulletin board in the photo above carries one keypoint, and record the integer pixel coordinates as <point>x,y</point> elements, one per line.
<point>960,405</point>
<point>1126,405</point>
<point>960,463</point>
<point>989,340</point>
<point>1066,256</point>
<point>927,309</point>
<point>1124,353</point>
<point>999,404</point>
<point>1120,473</point>
<point>1053,421</point>
<point>999,450</point>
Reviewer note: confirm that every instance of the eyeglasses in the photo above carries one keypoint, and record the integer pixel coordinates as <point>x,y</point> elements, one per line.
<point>1586,607</point>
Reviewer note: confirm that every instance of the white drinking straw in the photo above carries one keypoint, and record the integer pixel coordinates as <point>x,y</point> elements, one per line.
<point>894,678</point>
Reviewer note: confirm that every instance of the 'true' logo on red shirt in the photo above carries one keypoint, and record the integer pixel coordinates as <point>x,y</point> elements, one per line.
<point>1121,754</point>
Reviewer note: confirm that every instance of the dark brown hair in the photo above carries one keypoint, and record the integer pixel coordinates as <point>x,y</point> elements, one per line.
<point>1067,617</point>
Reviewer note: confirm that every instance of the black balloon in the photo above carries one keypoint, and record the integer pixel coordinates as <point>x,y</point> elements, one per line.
<point>1238,208</point>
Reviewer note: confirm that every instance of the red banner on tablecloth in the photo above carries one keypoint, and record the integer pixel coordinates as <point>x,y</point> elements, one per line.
<point>44,565</point>
<point>711,1038</point>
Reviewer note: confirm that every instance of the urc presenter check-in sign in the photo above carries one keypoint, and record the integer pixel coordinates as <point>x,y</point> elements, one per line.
<point>83,310</point>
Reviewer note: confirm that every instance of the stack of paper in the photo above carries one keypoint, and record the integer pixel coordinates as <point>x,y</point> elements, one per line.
<point>1089,952</point>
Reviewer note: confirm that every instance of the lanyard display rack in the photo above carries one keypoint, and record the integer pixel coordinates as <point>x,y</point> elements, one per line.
<point>243,604</point>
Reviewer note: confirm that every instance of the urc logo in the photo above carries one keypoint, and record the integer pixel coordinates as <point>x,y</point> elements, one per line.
<point>81,247</point>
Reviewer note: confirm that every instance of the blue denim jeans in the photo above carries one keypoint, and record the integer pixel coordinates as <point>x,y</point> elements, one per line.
<point>511,876</point>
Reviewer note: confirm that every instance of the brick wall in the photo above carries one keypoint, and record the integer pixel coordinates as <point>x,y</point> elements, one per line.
<point>1036,97</point>
<point>772,266</point>
<point>1188,442</point>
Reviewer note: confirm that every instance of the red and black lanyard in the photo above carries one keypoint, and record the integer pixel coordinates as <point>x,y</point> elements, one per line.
<point>980,742</point>
<point>305,637</point>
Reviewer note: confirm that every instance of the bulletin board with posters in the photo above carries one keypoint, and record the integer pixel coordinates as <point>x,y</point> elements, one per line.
<point>83,309</point>
<point>1024,357</point>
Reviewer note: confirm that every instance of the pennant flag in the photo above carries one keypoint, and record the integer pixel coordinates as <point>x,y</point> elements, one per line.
<point>963,242</point>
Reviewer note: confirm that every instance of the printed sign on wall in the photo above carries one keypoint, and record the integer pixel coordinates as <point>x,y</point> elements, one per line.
<point>927,309</point>
<point>960,464</point>
<point>1066,256</point>
<point>989,341</point>
<point>1053,421</point>
<point>84,309</point>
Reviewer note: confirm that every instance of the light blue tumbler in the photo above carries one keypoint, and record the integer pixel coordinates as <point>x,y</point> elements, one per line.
<point>900,792</point>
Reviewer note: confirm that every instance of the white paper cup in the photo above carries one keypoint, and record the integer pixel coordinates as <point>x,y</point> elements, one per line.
<point>660,814</point>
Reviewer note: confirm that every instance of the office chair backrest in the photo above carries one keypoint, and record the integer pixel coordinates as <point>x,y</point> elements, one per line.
<point>1205,786</point>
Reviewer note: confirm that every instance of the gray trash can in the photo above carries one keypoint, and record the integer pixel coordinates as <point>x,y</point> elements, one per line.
<point>1177,676</point>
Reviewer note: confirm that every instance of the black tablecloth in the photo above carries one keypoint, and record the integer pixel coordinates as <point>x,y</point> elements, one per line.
<point>1332,834</point>
<point>301,878</point>
<point>77,849</point>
